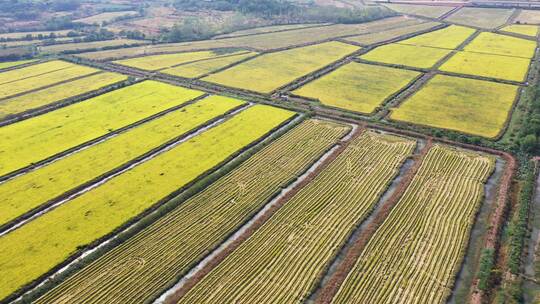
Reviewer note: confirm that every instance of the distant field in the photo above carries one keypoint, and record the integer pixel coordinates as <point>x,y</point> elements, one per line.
<point>39,76</point>
<point>9,64</point>
<point>34,139</point>
<point>497,44</point>
<point>21,35</point>
<point>269,29</point>
<point>58,48</point>
<point>528,30</point>
<point>357,87</point>
<point>285,258</point>
<point>39,98</point>
<point>159,62</point>
<point>408,55</point>
<point>447,38</point>
<point>201,223</point>
<point>46,241</point>
<point>528,17</point>
<point>105,17</point>
<point>367,39</point>
<point>200,68</point>
<point>415,254</point>
<point>271,71</point>
<point>431,11</point>
<point>35,188</point>
<point>488,65</point>
<point>488,18</point>
<point>471,106</point>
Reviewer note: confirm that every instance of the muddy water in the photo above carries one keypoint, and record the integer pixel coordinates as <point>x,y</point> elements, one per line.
<point>463,283</point>
<point>530,288</point>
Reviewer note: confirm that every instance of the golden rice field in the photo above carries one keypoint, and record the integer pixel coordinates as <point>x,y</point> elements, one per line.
<point>366,39</point>
<point>34,71</point>
<point>430,11</point>
<point>488,18</point>
<point>407,55</point>
<point>447,38</point>
<point>201,68</point>
<point>488,65</point>
<point>523,29</point>
<point>497,44</point>
<point>415,254</point>
<point>268,72</point>
<point>31,190</point>
<point>285,258</point>
<point>199,224</point>
<point>357,87</point>
<point>9,64</point>
<point>43,243</point>
<point>159,62</point>
<point>50,95</point>
<point>35,139</point>
<point>27,83</point>
<point>467,105</point>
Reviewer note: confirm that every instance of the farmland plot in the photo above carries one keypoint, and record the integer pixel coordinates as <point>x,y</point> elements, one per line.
<point>28,191</point>
<point>431,11</point>
<point>43,97</point>
<point>105,17</point>
<point>269,29</point>
<point>488,65</point>
<point>199,224</point>
<point>35,139</point>
<point>407,55</point>
<point>43,243</point>
<point>22,35</point>
<point>200,68</point>
<point>488,18</point>
<point>467,105</point>
<point>367,39</point>
<point>528,30</point>
<point>284,259</point>
<point>357,87</point>
<point>34,71</point>
<point>490,43</point>
<point>528,17</point>
<point>447,38</point>
<point>415,254</point>
<point>271,71</point>
<point>9,64</point>
<point>81,46</point>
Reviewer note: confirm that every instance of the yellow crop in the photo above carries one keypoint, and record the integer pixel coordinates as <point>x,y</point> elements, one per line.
<point>408,55</point>
<point>414,256</point>
<point>447,38</point>
<point>497,44</point>
<point>35,139</point>
<point>528,30</point>
<point>59,92</point>
<point>271,71</point>
<point>200,68</point>
<point>30,190</point>
<point>467,105</point>
<point>357,87</point>
<point>41,244</point>
<point>33,71</point>
<point>158,62</point>
<point>10,64</point>
<point>495,66</point>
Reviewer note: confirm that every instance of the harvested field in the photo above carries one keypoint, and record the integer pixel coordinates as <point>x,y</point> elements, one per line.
<point>285,258</point>
<point>270,71</point>
<point>22,35</point>
<point>40,76</point>
<point>200,68</point>
<point>105,17</point>
<point>467,105</point>
<point>268,41</point>
<point>407,55</point>
<point>488,18</point>
<point>35,188</point>
<point>431,11</point>
<point>9,64</point>
<point>200,224</point>
<point>528,30</point>
<point>528,17</point>
<point>497,44</point>
<point>81,46</point>
<point>35,139</point>
<point>159,62</point>
<point>47,96</point>
<point>269,29</point>
<point>447,38</point>
<point>357,87</point>
<point>40,245</point>
<point>368,39</point>
<point>488,65</point>
<point>415,254</point>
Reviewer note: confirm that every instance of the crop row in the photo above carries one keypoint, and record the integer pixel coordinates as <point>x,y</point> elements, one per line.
<point>415,254</point>
<point>284,259</point>
<point>42,244</point>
